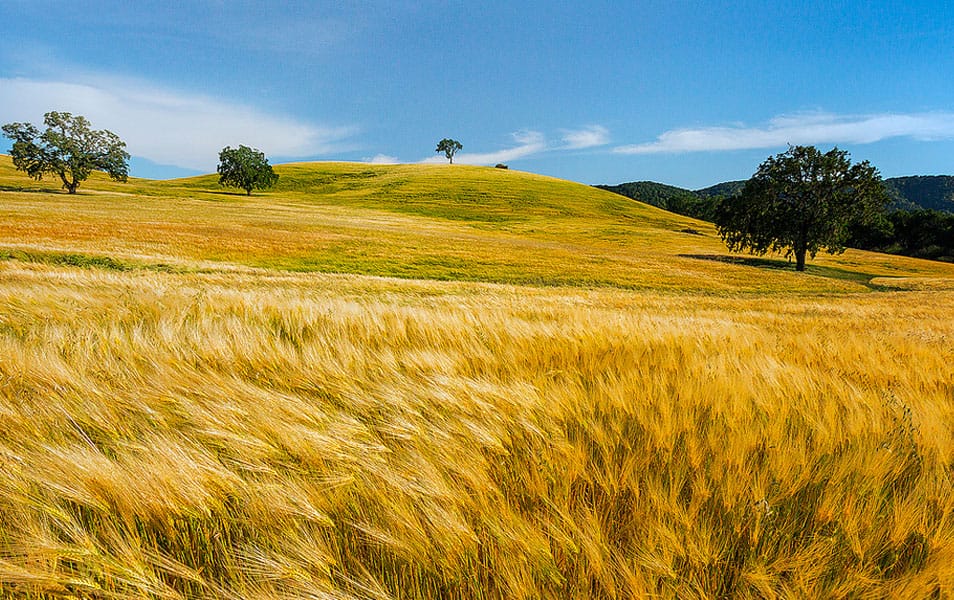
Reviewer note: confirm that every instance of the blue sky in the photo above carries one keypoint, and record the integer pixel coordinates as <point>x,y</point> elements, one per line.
<point>686,93</point>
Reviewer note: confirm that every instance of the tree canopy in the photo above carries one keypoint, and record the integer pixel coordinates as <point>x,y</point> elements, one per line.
<point>801,201</point>
<point>68,148</point>
<point>245,168</point>
<point>449,147</point>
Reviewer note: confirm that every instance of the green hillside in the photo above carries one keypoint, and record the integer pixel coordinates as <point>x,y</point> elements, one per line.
<point>932,192</point>
<point>412,221</point>
<point>699,204</point>
<point>728,188</point>
<point>919,223</point>
<point>667,197</point>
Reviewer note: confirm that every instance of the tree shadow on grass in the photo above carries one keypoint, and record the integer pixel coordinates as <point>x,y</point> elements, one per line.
<point>223,193</point>
<point>782,264</point>
<point>33,190</point>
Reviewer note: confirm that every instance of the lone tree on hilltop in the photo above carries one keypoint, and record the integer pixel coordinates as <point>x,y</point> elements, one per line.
<point>801,201</point>
<point>449,147</point>
<point>68,148</point>
<point>245,168</point>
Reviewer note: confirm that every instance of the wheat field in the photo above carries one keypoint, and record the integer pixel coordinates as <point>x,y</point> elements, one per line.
<point>182,416</point>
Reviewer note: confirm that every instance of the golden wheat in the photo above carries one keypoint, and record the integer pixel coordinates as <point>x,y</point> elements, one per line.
<point>256,435</point>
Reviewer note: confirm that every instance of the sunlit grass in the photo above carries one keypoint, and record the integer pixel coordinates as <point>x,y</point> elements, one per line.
<point>187,434</point>
<point>179,419</point>
<point>417,221</point>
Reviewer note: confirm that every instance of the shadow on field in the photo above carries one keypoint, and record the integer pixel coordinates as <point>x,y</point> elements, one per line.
<point>223,193</point>
<point>86,261</point>
<point>781,264</point>
<point>35,190</point>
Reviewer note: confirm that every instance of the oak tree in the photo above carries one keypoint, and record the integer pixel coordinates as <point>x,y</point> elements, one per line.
<point>245,168</point>
<point>68,149</point>
<point>801,201</point>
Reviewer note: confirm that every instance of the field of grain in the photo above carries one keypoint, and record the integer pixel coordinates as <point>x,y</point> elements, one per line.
<point>200,398</point>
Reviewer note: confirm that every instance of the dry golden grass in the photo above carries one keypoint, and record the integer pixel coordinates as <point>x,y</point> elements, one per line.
<point>279,436</point>
<point>178,425</point>
<point>416,221</point>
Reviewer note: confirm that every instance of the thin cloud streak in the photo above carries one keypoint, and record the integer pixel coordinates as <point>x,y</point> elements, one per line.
<point>588,137</point>
<point>165,126</point>
<point>801,129</point>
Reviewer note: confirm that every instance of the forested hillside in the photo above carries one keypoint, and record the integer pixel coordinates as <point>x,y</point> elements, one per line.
<point>931,192</point>
<point>919,221</point>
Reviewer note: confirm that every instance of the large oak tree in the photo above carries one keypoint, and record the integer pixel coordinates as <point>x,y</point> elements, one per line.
<point>801,201</point>
<point>68,149</point>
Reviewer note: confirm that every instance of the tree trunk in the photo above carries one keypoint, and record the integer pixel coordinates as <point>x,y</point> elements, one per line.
<point>801,247</point>
<point>69,185</point>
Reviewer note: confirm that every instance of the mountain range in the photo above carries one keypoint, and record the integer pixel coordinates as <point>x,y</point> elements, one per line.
<point>935,192</point>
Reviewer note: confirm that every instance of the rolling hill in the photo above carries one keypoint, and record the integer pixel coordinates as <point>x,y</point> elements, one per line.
<point>416,382</point>
<point>406,221</point>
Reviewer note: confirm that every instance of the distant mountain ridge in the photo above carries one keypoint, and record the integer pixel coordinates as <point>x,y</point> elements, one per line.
<point>668,197</point>
<point>934,192</point>
<point>728,188</point>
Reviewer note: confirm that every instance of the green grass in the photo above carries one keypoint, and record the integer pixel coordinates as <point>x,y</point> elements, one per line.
<point>85,261</point>
<point>436,222</point>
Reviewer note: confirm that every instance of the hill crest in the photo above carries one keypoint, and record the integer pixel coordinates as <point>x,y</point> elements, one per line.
<point>437,222</point>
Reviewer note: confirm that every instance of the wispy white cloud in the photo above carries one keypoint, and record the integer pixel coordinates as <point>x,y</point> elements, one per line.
<point>588,137</point>
<point>383,159</point>
<point>801,129</point>
<point>168,126</point>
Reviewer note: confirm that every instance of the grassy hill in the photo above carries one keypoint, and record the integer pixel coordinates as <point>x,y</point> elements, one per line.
<point>455,382</point>
<point>413,221</point>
